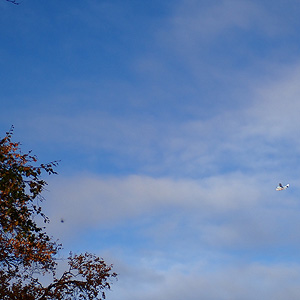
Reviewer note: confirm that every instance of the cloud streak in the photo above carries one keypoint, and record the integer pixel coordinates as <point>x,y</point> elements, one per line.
<point>223,211</point>
<point>251,281</point>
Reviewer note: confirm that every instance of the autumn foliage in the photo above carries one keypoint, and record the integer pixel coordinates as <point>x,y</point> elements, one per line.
<point>27,253</point>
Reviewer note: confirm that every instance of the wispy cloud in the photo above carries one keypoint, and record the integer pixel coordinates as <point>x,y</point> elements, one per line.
<point>227,210</point>
<point>251,281</point>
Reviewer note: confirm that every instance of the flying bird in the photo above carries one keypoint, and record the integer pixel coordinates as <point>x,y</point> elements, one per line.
<point>282,187</point>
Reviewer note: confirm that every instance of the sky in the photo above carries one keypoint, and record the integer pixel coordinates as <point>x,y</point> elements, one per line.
<point>173,122</point>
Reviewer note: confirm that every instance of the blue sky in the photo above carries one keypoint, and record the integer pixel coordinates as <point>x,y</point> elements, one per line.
<point>174,122</point>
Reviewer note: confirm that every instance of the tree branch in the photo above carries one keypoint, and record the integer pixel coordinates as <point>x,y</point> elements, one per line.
<point>13,2</point>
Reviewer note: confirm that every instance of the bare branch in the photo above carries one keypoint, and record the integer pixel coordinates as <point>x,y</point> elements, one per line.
<point>14,2</point>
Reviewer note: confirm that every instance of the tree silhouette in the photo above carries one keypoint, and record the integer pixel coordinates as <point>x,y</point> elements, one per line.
<point>26,250</point>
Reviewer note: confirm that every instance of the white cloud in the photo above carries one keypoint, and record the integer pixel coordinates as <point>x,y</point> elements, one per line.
<point>135,195</point>
<point>231,211</point>
<point>275,114</point>
<point>239,281</point>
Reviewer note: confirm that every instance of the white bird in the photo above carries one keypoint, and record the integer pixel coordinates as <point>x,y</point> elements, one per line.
<point>282,187</point>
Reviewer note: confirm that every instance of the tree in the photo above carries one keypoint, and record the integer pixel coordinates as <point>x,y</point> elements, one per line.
<point>27,252</point>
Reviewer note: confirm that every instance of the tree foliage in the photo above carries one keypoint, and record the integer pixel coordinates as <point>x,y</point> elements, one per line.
<point>27,252</point>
